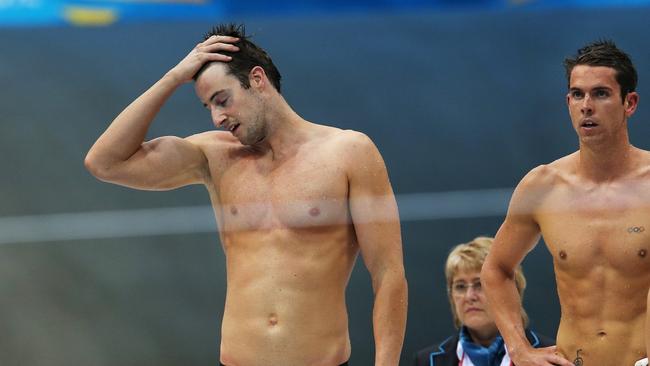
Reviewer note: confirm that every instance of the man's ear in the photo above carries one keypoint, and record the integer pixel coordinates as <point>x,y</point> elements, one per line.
<point>257,77</point>
<point>630,104</point>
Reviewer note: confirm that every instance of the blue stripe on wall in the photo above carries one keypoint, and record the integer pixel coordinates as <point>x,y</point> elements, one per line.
<point>98,12</point>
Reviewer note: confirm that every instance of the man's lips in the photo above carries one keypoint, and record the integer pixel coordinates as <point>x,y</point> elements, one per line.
<point>231,128</point>
<point>588,123</point>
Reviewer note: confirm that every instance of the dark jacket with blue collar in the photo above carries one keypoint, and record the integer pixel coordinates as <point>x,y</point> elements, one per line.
<point>444,354</point>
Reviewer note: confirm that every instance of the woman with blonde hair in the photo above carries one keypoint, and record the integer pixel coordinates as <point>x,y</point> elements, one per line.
<point>478,342</point>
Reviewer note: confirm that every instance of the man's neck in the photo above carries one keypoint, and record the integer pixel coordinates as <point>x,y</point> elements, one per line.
<point>601,162</point>
<point>286,131</point>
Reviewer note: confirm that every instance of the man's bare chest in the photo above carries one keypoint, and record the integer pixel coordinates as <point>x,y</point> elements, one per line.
<point>585,232</point>
<point>297,195</point>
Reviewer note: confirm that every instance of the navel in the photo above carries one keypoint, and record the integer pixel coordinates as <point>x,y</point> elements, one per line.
<point>642,253</point>
<point>562,254</point>
<point>233,210</point>
<point>314,211</point>
<point>273,320</point>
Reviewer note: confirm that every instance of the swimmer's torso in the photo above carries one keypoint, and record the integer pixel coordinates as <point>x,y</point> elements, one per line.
<point>599,236</point>
<point>290,247</point>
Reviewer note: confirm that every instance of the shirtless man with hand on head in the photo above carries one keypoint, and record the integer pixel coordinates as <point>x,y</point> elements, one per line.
<point>592,208</point>
<point>295,203</point>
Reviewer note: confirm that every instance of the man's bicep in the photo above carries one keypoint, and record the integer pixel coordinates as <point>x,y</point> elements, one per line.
<point>515,238</point>
<point>163,163</point>
<point>519,232</point>
<point>373,207</point>
<point>371,196</point>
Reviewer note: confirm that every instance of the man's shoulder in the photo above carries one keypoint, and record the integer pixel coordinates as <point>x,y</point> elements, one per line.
<point>349,145</point>
<point>340,136</point>
<point>644,163</point>
<point>218,144</point>
<point>212,137</point>
<point>550,174</point>
<point>355,143</point>
<point>536,185</point>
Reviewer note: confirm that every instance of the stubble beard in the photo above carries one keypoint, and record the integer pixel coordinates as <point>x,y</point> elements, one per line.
<point>257,128</point>
<point>255,132</point>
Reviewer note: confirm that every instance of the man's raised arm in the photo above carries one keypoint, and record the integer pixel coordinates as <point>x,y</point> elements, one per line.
<point>121,156</point>
<point>376,222</point>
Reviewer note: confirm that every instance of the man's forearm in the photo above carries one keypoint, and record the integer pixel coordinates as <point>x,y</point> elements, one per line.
<point>126,133</point>
<point>389,319</point>
<point>505,305</point>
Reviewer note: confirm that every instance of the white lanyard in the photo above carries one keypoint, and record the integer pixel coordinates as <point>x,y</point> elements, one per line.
<point>466,361</point>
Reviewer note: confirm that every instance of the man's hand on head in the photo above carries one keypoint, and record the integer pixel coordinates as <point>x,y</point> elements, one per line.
<point>206,51</point>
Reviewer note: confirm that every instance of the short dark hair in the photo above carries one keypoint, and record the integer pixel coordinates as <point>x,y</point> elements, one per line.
<point>244,60</point>
<point>605,53</point>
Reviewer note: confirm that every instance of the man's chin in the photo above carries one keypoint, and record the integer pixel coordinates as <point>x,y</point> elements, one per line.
<point>247,142</point>
<point>252,142</point>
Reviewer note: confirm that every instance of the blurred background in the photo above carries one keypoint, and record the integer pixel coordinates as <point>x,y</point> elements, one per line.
<point>461,97</point>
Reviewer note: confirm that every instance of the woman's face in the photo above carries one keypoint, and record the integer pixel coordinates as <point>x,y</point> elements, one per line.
<point>470,302</point>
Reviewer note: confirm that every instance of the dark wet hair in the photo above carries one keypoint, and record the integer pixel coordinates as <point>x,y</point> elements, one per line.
<point>605,53</point>
<point>244,60</point>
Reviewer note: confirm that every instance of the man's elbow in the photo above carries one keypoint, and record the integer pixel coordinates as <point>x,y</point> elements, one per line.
<point>395,280</point>
<point>489,273</point>
<point>399,282</point>
<point>96,167</point>
<point>493,274</point>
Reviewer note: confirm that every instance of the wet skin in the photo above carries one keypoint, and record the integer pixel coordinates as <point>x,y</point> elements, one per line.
<point>592,208</point>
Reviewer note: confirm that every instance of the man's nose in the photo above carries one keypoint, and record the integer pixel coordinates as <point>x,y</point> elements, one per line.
<point>587,106</point>
<point>218,118</point>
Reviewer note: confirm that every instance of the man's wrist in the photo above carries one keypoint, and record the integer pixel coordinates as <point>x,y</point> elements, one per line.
<point>518,349</point>
<point>173,78</point>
